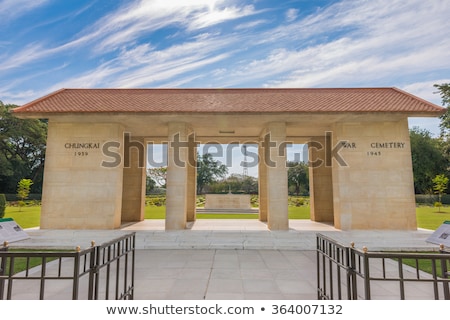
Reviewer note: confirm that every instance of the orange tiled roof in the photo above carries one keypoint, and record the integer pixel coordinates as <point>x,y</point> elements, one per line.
<point>315,100</point>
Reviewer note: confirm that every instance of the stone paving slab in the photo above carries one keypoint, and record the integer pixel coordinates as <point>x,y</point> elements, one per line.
<point>209,262</point>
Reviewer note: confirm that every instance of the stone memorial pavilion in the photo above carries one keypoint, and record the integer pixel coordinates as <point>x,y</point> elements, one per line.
<point>358,143</point>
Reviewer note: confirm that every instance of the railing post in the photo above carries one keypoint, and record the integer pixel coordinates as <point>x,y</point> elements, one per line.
<point>445,274</point>
<point>3,269</point>
<point>133,239</point>
<point>366,274</point>
<point>352,289</point>
<point>76,274</point>
<point>92,288</point>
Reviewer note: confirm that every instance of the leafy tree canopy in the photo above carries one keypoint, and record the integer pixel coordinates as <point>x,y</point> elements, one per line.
<point>208,171</point>
<point>22,150</point>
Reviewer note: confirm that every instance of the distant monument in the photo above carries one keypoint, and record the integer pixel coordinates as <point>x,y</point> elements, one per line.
<point>227,201</point>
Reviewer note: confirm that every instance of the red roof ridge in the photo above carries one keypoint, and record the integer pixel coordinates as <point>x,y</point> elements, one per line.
<point>439,108</point>
<point>216,100</point>
<point>30,104</point>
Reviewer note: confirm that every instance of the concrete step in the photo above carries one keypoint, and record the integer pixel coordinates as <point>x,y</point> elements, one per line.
<point>229,211</point>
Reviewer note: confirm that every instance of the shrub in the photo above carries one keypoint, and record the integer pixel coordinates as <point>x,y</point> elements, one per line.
<point>2,205</point>
<point>21,203</point>
<point>438,204</point>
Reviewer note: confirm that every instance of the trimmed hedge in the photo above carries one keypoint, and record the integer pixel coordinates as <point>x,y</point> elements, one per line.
<point>31,196</point>
<point>430,199</point>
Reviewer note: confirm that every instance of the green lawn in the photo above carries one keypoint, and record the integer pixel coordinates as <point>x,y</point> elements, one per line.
<point>426,265</point>
<point>431,218</point>
<point>427,217</point>
<point>28,217</point>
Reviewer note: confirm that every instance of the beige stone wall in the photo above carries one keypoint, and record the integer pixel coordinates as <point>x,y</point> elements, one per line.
<point>134,180</point>
<point>320,181</point>
<point>374,190</point>
<point>78,192</point>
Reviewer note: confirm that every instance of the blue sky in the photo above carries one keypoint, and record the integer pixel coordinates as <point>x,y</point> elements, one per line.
<point>46,45</point>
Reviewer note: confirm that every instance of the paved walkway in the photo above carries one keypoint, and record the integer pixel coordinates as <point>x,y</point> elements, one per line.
<point>228,259</point>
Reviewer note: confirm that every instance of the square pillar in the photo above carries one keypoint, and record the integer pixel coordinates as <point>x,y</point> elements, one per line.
<point>83,176</point>
<point>276,182</point>
<point>320,180</point>
<point>177,177</point>
<point>262,183</point>
<point>134,179</point>
<point>192,179</point>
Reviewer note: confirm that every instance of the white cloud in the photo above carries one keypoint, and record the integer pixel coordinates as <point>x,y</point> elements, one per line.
<point>143,65</point>
<point>251,24</point>
<point>426,90</point>
<point>128,23</point>
<point>291,14</point>
<point>373,44</point>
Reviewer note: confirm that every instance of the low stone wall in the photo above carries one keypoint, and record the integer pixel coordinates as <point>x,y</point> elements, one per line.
<point>227,201</point>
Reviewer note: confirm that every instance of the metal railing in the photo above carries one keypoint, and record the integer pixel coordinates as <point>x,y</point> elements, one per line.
<point>99,272</point>
<point>347,273</point>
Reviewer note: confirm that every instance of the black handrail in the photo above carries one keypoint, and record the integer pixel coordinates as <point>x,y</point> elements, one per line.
<point>74,266</point>
<point>361,269</point>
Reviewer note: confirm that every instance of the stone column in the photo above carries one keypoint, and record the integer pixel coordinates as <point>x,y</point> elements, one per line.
<point>262,183</point>
<point>277,183</point>
<point>177,177</point>
<point>134,179</point>
<point>320,179</point>
<point>83,176</point>
<point>192,179</point>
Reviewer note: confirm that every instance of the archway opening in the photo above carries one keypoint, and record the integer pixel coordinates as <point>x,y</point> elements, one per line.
<point>298,182</point>
<point>156,180</point>
<point>227,181</point>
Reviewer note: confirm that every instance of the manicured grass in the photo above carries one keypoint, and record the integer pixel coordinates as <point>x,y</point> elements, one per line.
<point>301,212</point>
<point>427,217</point>
<point>426,265</point>
<point>28,217</point>
<point>155,212</point>
<point>22,263</point>
<point>431,218</point>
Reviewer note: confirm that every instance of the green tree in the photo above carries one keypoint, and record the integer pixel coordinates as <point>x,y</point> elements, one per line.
<point>23,190</point>
<point>236,183</point>
<point>208,171</point>
<point>22,150</point>
<point>427,159</point>
<point>158,175</point>
<point>444,91</point>
<point>298,177</point>
<point>150,185</point>
<point>440,185</point>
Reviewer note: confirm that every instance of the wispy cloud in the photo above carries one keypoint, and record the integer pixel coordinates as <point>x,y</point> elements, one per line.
<point>128,23</point>
<point>145,66</point>
<point>380,45</point>
<point>10,9</point>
